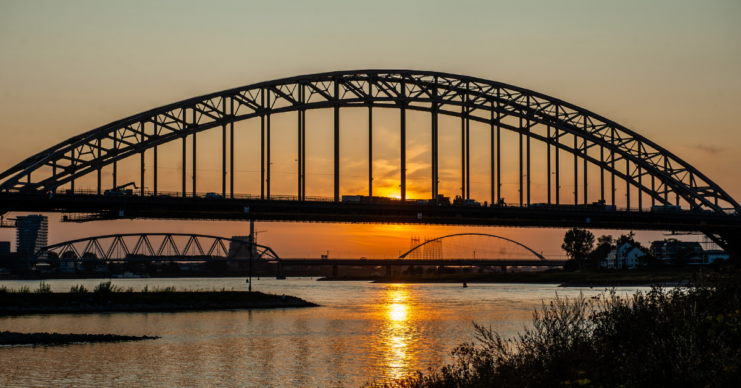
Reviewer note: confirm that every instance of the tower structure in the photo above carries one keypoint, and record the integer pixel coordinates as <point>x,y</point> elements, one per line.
<point>32,234</point>
<point>413,243</point>
<point>433,249</point>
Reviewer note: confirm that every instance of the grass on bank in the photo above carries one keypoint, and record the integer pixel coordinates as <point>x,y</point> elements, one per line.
<point>106,292</point>
<point>679,337</point>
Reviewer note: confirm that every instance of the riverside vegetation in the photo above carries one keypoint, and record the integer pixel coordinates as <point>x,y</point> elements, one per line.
<point>108,297</point>
<point>679,337</point>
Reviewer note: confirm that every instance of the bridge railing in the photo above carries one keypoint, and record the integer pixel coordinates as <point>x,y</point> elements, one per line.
<point>538,206</point>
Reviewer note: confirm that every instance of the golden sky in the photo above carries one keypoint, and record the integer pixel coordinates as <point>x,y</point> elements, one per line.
<point>666,69</point>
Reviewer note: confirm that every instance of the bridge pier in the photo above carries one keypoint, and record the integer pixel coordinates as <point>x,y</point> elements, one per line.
<point>504,268</point>
<point>440,270</point>
<point>388,270</point>
<point>280,272</point>
<point>334,271</point>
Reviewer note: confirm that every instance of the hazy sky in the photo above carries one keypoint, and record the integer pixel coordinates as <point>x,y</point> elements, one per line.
<point>670,70</point>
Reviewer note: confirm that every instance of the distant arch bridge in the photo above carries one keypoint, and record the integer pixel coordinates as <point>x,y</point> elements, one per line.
<point>146,247</point>
<point>488,246</point>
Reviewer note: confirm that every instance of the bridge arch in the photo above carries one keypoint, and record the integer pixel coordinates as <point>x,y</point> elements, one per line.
<point>432,241</point>
<point>653,170</point>
<point>168,248</point>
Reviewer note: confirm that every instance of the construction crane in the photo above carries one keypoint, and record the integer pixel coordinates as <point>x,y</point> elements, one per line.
<point>121,190</point>
<point>258,232</point>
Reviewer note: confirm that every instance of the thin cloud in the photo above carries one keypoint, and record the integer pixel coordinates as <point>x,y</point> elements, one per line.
<point>709,149</point>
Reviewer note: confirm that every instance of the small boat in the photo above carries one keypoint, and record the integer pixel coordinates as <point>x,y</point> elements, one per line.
<point>465,285</point>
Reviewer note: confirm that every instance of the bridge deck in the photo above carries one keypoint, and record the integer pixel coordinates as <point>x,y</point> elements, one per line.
<point>83,208</point>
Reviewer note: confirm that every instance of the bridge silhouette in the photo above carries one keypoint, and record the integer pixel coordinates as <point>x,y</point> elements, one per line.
<point>183,247</point>
<point>671,194</point>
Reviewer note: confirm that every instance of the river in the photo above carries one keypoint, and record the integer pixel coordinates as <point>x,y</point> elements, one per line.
<point>362,331</point>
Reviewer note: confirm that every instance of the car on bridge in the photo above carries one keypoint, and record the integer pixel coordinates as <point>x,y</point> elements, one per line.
<point>459,201</point>
<point>213,196</point>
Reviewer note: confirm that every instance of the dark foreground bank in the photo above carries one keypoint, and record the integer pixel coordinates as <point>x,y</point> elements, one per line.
<point>10,338</point>
<point>107,298</point>
<point>680,337</point>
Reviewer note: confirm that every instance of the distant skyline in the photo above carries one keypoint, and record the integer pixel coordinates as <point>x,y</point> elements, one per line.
<point>668,70</point>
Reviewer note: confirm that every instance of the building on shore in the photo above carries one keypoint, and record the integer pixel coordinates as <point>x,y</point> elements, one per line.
<point>625,256</point>
<point>31,234</point>
<point>671,250</point>
<point>4,249</point>
<point>705,257</point>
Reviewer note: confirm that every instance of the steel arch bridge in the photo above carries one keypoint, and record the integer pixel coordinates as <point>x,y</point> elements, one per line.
<point>590,140</point>
<point>472,99</point>
<point>432,241</point>
<point>190,248</point>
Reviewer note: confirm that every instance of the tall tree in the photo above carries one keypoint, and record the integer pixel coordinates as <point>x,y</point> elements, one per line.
<point>600,252</point>
<point>578,243</point>
<point>626,238</point>
<point>629,238</point>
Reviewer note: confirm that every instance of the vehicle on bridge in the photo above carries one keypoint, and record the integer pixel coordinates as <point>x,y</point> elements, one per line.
<point>121,190</point>
<point>666,209</point>
<point>368,199</point>
<point>594,206</point>
<point>459,201</point>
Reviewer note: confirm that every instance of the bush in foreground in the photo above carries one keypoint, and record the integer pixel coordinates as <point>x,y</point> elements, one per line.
<point>682,337</point>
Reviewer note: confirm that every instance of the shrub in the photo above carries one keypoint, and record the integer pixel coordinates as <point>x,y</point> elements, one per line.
<point>22,290</point>
<point>163,289</point>
<point>44,288</point>
<point>571,265</point>
<point>677,337</point>
<point>78,289</point>
<point>106,287</point>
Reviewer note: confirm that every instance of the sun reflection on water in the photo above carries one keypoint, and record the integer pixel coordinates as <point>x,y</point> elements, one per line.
<point>399,331</point>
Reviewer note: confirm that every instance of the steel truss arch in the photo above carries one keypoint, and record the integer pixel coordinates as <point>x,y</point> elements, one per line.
<point>405,254</point>
<point>454,95</point>
<point>143,247</point>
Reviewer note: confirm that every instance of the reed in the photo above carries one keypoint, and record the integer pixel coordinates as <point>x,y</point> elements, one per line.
<point>683,337</point>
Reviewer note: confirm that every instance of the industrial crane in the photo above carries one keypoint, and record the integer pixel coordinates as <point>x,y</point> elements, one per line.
<point>121,190</point>
<point>256,233</point>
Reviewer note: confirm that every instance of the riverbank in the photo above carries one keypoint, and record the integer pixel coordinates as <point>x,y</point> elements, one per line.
<point>563,278</point>
<point>660,338</point>
<point>75,303</point>
<point>10,338</point>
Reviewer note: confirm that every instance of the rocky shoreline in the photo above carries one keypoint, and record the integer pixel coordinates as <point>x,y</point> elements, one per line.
<point>12,338</point>
<point>82,308</point>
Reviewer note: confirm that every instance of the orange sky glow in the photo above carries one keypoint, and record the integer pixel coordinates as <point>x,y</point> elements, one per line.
<point>668,70</point>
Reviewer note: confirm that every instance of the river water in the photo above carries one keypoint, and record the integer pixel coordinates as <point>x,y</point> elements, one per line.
<point>362,331</point>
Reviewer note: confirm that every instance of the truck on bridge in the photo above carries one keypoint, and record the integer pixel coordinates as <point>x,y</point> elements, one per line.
<point>121,190</point>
